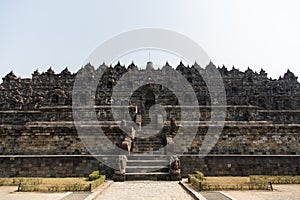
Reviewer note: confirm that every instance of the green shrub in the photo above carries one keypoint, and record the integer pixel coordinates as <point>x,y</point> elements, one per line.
<point>199,175</point>
<point>98,182</point>
<point>94,175</point>
<point>190,176</point>
<point>196,183</point>
<point>196,179</point>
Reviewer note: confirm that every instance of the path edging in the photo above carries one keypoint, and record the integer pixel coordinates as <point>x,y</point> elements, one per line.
<point>66,194</point>
<point>99,191</point>
<point>227,195</point>
<point>192,191</point>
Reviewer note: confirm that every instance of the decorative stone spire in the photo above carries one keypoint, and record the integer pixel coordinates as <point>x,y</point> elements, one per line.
<point>66,71</point>
<point>36,73</point>
<point>166,67</point>
<point>290,76</point>
<point>120,69</point>
<point>210,66</point>
<point>118,64</point>
<point>10,76</point>
<point>196,68</point>
<point>263,73</point>
<point>89,67</point>
<point>50,71</point>
<point>102,65</point>
<point>223,70</point>
<point>181,67</point>
<point>132,66</point>
<point>249,71</point>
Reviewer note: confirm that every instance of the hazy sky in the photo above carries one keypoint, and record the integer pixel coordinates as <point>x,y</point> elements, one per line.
<point>59,33</point>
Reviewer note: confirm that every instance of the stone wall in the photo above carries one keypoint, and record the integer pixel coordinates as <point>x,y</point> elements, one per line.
<point>241,165</point>
<point>50,138</point>
<point>211,165</point>
<point>60,138</point>
<point>51,166</point>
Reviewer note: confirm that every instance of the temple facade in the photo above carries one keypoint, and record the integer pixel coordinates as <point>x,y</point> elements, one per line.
<point>260,135</point>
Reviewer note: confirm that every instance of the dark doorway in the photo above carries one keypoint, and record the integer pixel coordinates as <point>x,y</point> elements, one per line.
<point>149,99</point>
<point>55,99</point>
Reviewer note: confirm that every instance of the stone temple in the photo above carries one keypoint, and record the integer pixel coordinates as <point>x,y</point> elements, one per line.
<point>260,136</point>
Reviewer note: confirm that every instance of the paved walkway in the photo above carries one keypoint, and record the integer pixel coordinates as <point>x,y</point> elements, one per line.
<point>7,193</point>
<point>286,192</point>
<point>145,190</point>
<point>76,196</point>
<point>214,196</point>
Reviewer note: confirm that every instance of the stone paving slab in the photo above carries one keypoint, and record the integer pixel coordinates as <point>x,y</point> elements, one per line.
<point>77,196</point>
<point>145,190</point>
<point>214,196</point>
<point>8,193</point>
<point>286,192</point>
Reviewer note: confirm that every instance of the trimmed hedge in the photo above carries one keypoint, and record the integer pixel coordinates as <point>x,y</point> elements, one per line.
<point>198,181</point>
<point>38,185</point>
<point>96,183</point>
<point>199,175</point>
<point>17,181</point>
<point>245,186</point>
<point>276,179</point>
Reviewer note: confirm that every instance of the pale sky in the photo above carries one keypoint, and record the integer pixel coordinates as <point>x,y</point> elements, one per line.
<point>59,33</point>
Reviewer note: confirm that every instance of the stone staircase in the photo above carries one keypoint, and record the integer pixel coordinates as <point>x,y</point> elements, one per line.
<point>148,159</point>
<point>148,142</point>
<point>147,167</point>
<point>153,164</point>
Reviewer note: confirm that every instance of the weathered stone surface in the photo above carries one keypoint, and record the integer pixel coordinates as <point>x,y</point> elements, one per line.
<point>262,121</point>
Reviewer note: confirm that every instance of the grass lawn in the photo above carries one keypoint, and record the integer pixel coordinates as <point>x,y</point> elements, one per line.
<point>226,180</point>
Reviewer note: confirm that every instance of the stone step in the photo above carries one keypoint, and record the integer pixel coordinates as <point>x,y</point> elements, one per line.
<point>150,151</point>
<point>154,176</point>
<point>147,162</point>
<point>149,156</point>
<point>147,148</point>
<point>148,136</point>
<point>146,169</point>
<point>148,145</point>
<point>149,139</point>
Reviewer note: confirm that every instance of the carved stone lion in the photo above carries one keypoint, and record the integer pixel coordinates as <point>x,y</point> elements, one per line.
<point>121,165</point>
<point>174,165</point>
